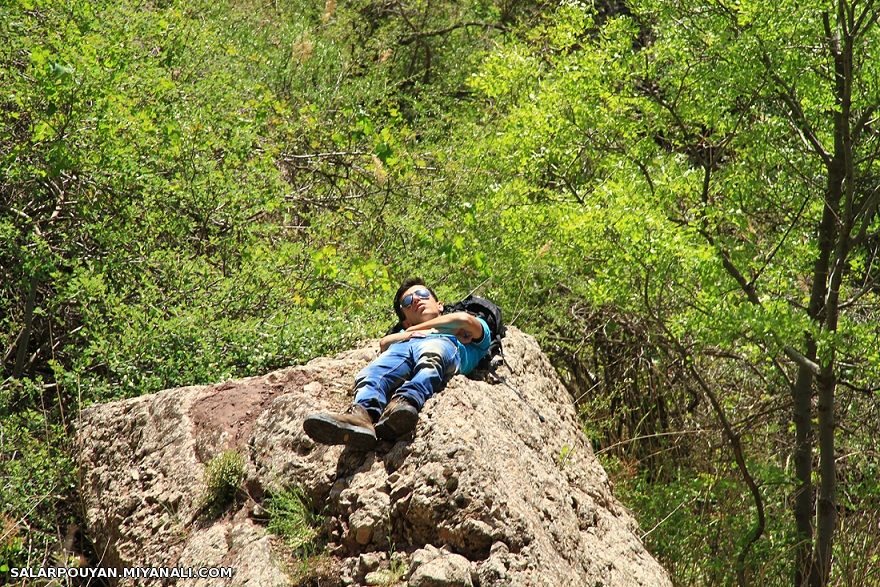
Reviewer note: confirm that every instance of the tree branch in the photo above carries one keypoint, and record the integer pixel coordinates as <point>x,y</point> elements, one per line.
<point>862,122</point>
<point>287,157</point>
<point>779,244</point>
<point>857,28</point>
<point>438,32</point>
<point>864,390</point>
<point>801,360</point>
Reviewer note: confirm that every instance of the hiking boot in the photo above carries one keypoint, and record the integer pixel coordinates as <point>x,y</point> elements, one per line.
<point>398,419</point>
<point>353,428</point>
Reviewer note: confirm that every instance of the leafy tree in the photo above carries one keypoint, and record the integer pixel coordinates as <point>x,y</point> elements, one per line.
<point>721,160</point>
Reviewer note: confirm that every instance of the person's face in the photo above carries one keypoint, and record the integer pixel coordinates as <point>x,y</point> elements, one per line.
<point>421,307</point>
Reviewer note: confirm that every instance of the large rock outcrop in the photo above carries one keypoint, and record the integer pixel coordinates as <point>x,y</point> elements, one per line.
<point>496,488</point>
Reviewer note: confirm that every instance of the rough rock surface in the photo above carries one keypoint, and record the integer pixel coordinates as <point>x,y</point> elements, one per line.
<point>496,488</point>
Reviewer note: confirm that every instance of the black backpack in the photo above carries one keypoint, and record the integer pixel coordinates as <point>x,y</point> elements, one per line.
<point>481,308</point>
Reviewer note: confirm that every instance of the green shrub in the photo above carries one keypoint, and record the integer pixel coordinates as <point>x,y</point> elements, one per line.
<point>223,476</point>
<point>36,474</point>
<point>292,519</point>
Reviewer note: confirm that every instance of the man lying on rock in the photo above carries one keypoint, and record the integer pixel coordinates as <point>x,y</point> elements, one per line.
<point>414,364</point>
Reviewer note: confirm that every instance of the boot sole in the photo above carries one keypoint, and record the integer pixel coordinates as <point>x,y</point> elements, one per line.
<point>326,430</point>
<point>398,423</point>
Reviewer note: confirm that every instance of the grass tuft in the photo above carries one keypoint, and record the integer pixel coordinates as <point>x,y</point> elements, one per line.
<point>223,476</point>
<point>292,519</point>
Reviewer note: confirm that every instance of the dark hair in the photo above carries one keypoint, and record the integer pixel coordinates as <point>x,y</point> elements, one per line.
<point>408,283</point>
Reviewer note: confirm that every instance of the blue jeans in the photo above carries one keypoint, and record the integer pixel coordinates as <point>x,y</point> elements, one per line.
<point>416,369</point>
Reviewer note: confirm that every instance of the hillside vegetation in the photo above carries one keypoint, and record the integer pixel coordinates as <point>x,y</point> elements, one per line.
<point>678,199</point>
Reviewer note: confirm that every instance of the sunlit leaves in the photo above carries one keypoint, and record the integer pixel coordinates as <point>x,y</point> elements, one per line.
<point>690,141</point>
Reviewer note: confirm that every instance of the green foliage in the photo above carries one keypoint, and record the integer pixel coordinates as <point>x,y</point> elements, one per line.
<point>667,148</point>
<point>389,577</point>
<point>397,568</point>
<point>564,455</point>
<point>293,519</point>
<point>166,199</point>
<point>224,475</point>
<point>36,473</point>
<point>188,194</point>
<point>695,523</point>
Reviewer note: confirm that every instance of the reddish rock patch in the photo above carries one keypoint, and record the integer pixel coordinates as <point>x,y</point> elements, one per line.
<point>224,417</point>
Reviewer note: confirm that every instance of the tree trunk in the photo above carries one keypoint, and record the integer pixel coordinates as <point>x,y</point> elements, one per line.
<point>803,466</point>
<point>841,189</point>
<point>827,503</point>
<point>24,338</point>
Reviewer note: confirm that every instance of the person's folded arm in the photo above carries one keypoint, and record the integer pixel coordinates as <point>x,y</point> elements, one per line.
<point>390,339</point>
<point>463,325</point>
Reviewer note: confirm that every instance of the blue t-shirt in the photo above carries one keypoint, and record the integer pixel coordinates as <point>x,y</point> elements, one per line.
<point>471,353</point>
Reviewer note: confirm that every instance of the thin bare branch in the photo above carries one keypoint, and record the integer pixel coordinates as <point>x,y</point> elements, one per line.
<point>779,244</point>
<point>861,27</point>
<point>292,157</point>
<point>864,390</point>
<point>421,35</point>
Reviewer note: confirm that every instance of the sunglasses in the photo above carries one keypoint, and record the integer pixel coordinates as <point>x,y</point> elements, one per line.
<point>407,300</point>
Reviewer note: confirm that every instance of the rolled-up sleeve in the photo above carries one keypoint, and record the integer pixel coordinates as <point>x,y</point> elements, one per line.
<point>472,353</point>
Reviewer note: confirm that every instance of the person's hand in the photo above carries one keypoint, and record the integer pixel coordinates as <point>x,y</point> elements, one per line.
<point>422,333</point>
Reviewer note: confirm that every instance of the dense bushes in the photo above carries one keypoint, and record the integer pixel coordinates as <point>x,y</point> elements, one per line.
<point>146,239</point>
